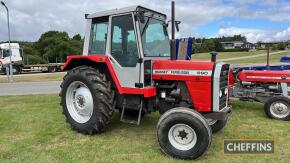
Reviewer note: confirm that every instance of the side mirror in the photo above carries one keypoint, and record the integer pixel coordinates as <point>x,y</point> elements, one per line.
<point>177,25</point>
<point>141,16</point>
<point>165,24</point>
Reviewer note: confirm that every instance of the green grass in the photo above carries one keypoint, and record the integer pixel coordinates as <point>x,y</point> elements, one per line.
<point>273,59</point>
<point>35,77</point>
<point>32,129</point>
<point>224,55</point>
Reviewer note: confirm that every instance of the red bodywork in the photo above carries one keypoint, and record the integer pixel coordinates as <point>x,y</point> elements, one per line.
<point>147,92</point>
<point>264,76</point>
<point>199,85</point>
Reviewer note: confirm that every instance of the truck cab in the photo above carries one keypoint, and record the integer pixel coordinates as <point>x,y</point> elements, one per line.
<point>16,58</point>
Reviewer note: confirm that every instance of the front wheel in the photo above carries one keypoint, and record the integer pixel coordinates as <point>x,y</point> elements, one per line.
<point>278,108</point>
<point>183,133</point>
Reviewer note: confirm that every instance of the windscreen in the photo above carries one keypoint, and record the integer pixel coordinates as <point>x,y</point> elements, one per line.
<point>154,38</point>
<point>6,53</point>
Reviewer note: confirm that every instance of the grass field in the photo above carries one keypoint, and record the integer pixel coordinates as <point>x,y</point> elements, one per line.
<point>35,77</point>
<point>32,129</point>
<point>273,59</point>
<point>224,55</point>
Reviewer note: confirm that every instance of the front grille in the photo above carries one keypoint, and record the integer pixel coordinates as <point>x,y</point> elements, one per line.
<point>223,86</point>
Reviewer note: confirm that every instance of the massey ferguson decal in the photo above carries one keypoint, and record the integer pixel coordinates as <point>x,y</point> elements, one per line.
<point>183,72</point>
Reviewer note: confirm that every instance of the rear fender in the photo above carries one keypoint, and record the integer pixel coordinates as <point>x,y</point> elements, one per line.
<point>103,64</point>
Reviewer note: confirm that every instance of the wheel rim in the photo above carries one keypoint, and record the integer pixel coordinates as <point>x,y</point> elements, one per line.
<point>79,102</point>
<point>279,109</point>
<point>211,121</point>
<point>182,137</point>
<point>14,70</point>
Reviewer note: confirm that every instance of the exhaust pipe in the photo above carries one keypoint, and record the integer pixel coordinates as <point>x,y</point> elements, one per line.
<point>213,56</point>
<point>173,42</point>
<point>173,20</point>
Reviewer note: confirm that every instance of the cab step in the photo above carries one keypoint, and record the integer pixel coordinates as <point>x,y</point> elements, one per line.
<point>130,121</point>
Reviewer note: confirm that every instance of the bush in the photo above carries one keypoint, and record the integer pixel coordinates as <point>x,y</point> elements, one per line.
<point>33,59</point>
<point>236,50</point>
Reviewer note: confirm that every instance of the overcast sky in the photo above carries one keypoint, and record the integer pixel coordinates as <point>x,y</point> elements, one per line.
<point>259,20</point>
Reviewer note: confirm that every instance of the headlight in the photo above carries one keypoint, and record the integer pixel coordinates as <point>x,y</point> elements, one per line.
<point>221,93</point>
<point>226,91</point>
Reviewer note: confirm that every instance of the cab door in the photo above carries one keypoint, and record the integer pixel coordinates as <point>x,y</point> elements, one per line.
<point>124,50</point>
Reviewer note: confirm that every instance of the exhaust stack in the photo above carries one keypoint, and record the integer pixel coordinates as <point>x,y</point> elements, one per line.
<point>173,42</point>
<point>213,56</point>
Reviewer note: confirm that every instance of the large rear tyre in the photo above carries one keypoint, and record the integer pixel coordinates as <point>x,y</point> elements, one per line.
<point>183,133</point>
<point>87,100</point>
<point>278,108</point>
<point>217,125</point>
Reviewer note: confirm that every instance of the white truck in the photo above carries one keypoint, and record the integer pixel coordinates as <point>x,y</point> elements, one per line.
<point>18,64</point>
<point>16,57</point>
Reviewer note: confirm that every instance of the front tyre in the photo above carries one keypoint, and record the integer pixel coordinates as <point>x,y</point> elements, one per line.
<point>87,100</point>
<point>278,108</point>
<point>183,133</point>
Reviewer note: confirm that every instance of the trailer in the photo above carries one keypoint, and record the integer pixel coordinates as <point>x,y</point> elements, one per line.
<point>18,64</point>
<point>49,67</point>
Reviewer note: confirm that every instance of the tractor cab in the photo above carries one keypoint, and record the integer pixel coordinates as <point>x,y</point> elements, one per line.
<point>130,37</point>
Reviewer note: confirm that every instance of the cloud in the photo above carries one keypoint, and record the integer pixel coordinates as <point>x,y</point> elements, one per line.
<point>283,35</point>
<point>30,18</point>
<point>255,35</point>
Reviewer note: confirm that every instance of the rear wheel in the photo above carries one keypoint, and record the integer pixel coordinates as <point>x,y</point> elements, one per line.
<point>87,100</point>
<point>183,133</point>
<point>278,108</point>
<point>52,69</point>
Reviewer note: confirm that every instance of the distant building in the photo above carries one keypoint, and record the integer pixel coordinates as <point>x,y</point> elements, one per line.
<point>263,45</point>
<point>238,45</point>
<point>248,45</point>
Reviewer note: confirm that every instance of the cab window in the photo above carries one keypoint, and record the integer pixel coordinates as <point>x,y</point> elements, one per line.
<point>124,45</point>
<point>99,30</point>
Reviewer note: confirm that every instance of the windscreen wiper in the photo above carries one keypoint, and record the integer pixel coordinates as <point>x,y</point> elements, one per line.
<point>146,24</point>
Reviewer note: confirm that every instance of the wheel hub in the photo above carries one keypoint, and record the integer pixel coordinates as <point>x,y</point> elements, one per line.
<point>182,136</point>
<point>79,102</point>
<point>279,109</point>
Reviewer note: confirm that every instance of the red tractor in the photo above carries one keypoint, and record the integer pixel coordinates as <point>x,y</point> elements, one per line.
<point>127,64</point>
<point>268,87</point>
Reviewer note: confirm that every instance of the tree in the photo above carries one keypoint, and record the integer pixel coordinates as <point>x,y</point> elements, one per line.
<point>209,44</point>
<point>281,46</point>
<point>218,46</point>
<point>77,37</point>
<point>55,46</point>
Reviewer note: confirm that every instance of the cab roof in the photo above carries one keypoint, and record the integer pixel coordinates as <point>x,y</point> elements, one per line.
<point>6,46</point>
<point>122,11</point>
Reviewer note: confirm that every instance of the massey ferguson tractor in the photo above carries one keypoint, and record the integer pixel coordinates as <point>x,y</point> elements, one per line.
<point>268,87</point>
<point>128,65</point>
